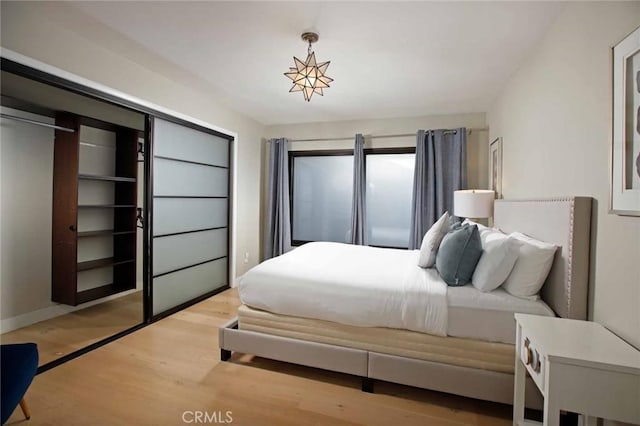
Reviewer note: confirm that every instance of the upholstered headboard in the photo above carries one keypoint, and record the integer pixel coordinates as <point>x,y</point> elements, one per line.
<point>565,222</point>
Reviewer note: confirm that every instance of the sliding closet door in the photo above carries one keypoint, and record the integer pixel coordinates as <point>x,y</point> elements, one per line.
<point>190,229</point>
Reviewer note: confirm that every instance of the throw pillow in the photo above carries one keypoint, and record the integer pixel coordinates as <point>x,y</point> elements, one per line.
<point>431,242</point>
<point>458,255</point>
<point>532,267</point>
<point>499,254</point>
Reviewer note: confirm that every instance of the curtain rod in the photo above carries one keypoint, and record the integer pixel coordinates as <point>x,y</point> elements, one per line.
<point>39,123</point>
<point>399,135</point>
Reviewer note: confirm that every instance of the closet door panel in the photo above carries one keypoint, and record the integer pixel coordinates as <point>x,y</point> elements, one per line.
<point>176,178</point>
<point>184,250</point>
<point>190,233</point>
<point>179,287</point>
<point>173,215</point>
<point>193,145</point>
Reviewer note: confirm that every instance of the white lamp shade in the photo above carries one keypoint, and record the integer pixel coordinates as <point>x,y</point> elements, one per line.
<point>473,203</point>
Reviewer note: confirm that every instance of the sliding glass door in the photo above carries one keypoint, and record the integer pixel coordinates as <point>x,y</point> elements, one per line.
<point>190,215</point>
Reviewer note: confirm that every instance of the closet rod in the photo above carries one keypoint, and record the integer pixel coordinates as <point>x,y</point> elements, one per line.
<point>39,123</point>
<point>400,135</point>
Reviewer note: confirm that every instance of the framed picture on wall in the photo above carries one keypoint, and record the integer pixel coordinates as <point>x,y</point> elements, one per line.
<point>625,152</point>
<point>495,167</point>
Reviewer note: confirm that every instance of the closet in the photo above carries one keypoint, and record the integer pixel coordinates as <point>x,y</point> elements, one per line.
<point>114,214</point>
<point>94,209</point>
<point>71,261</point>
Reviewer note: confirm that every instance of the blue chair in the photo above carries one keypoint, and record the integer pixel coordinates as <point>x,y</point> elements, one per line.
<point>18,366</point>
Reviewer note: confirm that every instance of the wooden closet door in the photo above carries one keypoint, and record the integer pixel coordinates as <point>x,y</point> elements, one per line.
<point>65,210</point>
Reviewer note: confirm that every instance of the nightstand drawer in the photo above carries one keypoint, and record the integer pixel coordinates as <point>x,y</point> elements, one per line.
<point>533,359</point>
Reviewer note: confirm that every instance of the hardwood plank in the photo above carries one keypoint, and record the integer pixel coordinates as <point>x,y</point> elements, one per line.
<point>62,335</point>
<point>151,377</point>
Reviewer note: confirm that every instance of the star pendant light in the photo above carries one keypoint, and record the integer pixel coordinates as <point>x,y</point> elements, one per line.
<point>309,77</point>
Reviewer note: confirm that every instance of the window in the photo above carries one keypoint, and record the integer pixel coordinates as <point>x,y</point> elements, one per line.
<point>389,192</point>
<point>321,184</point>
<point>321,188</point>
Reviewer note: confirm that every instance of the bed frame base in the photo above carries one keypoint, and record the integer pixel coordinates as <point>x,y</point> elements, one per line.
<point>225,355</point>
<point>469,382</point>
<point>464,381</point>
<point>311,354</point>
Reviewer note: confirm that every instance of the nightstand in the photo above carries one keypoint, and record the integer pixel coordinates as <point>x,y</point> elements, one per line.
<point>578,366</point>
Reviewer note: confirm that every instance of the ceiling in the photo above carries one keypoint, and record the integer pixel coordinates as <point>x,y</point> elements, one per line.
<point>388,59</point>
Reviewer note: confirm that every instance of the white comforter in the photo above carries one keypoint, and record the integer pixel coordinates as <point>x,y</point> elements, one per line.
<point>354,285</point>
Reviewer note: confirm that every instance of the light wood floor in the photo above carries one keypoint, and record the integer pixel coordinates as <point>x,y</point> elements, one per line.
<point>151,377</point>
<point>67,333</point>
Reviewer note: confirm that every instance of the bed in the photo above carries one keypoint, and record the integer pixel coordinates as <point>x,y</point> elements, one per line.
<point>295,316</point>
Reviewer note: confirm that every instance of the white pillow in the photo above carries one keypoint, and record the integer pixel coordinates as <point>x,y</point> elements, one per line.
<point>532,267</point>
<point>499,254</point>
<point>431,242</point>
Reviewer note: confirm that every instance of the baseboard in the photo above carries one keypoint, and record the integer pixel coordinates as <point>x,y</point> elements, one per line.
<point>29,318</point>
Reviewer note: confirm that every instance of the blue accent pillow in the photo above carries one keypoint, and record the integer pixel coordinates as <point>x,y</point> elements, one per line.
<point>458,256</point>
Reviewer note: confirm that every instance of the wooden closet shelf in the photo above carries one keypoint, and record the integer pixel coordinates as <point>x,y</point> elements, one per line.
<point>105,206</point>
<point>107,178</point>
<point>99,292</point>
<point>103,232</point>
<point>101,263</point>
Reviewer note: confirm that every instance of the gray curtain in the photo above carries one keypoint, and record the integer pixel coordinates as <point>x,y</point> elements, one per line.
<point>358,206</point>
<point>277,238</point>
<point>441,168</point>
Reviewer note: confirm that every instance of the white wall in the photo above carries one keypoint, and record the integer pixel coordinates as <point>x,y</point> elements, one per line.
<point>555,119</point>
<point>58,35</point>
<point>477,142</point>
<point>25,275</point>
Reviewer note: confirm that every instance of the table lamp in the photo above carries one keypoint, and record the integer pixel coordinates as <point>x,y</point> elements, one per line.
<point>473,203</point>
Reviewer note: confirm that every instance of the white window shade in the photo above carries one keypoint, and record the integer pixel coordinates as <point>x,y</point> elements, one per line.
<point>389,192</point>
<point>322,194</point>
